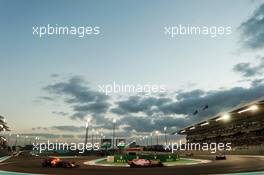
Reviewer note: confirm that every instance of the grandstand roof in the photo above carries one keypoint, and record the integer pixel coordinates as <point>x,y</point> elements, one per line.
<point>239,112</point>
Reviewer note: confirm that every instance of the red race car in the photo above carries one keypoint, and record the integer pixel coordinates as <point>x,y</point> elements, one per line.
<point>58,163</point>
<point>144,163</point>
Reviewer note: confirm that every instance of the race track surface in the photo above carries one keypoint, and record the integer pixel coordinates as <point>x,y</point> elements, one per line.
<point>233,164</point>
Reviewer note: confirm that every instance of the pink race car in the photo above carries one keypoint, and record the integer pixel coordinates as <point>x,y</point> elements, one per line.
<point>144,163</point>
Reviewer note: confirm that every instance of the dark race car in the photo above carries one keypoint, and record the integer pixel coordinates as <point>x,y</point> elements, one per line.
<point>144,163</point>
<point>220,157</point>
<point>58,163</point>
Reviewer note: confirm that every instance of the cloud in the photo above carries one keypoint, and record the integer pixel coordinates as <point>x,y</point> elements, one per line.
<point>73,128</point>
<point>252,30</point>
<point>43,135</point>
<point>68,128</point>
<point>257,82</point>
<point>177,112</point>
<point>135,104</point>
<point>60,113</point>
<point>54,75</point>
<point>190,95</point>
<point>147,113</point>
<point>64,128</point>
<point>149,124</point>
<point>77,94</point>
<point>46,98</point>
<point>39,128</point>
<point>248,69</point>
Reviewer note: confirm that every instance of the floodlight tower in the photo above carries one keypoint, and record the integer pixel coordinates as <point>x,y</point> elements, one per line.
<point>114,123</point>
<point>87,130</point>
<point>17,136</point>
<point>25,140</point>
<point>157,134</point>
<point>151,141</point>
<point>165,134</point>
<point>93,136</point>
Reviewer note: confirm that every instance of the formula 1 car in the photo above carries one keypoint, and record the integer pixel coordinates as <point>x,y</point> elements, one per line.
<point>58,163</point>
<point>220,157</point>
<point>144,163</point>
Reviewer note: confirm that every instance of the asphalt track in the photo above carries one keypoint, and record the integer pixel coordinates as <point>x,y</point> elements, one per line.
<point>233,164</point>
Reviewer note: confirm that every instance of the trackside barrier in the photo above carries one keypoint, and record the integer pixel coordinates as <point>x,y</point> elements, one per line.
<point>163,158</point>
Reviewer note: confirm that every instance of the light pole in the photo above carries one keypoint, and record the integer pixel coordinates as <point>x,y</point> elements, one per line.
<point>165,134</point>
<point>86,133</point>
<point>30,141</point>
<point>151,141</point>
<point>147,140</point>
<point>102,135</point>
<point>97,136</point>
<point>9,135</point>
<point>16,140</point>
<point>114,122</point>
<point>157,134</point>
<point>25,140</point>
<point>36,140</point>
<point>92,136</point>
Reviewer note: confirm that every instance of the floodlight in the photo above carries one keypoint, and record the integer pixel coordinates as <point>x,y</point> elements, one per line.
<point>87,122</point>
<point>226,117</point>
<point>204,124</point>
<point>251,108</point>
<point>192,128</point>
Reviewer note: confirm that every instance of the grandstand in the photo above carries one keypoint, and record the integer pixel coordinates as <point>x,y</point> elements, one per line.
<point>241,126</point>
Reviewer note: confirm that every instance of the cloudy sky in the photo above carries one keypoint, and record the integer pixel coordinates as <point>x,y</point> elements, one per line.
<point>49,86</point>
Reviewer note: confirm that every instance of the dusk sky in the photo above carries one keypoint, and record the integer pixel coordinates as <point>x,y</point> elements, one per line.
<point>49,85</point>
